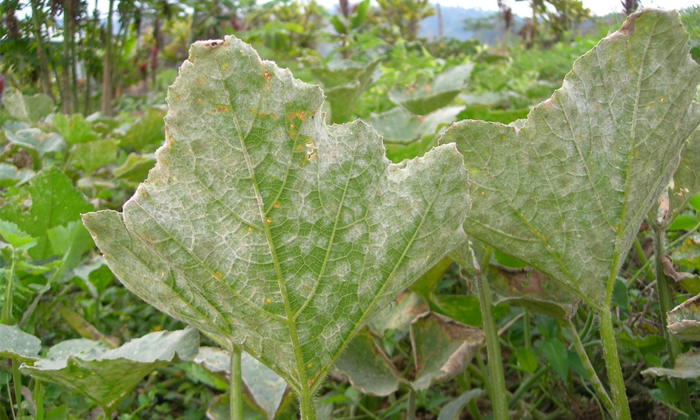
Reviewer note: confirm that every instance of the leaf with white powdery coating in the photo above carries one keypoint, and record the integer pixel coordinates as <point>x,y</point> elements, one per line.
<point>261,226</point>
<point>17,344</point>
<point>567,192</point>
<point>684,319</point>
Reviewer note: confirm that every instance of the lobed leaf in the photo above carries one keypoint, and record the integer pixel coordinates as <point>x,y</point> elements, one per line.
<point>262,227</point>
<point>566,191</point>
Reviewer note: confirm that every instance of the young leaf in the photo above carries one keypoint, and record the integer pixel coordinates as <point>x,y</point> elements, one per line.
<point>17,344</point>
<point>55,202</point>
<point>423,97</point>
<point>266,388</point>
<point>555,353</point>
<point>14,236</point>
<point>609,138</point>
<point>29,109</point>
<point>454,407</point>
<point>262,226</point>
<point>107,376</point>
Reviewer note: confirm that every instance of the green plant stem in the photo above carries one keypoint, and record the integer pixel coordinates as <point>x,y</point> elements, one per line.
<point>588,366</point>
<point>8,292</point>
<point>663,288</point>
<point>526,385</point>
<point>643,259</point>
<point>306,405</point>
<point>39,400</point>
<point>612,363</point>
<point>497,393</point>
<point>411,406</point>
<point>17,384</point>
<point>526,330</point>
<point>236,385</point>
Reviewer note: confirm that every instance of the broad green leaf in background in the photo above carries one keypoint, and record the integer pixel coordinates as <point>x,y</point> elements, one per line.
<point>684,319</point>
<point>423,97</point>
<point>686,180</point>
<point>36,141</point>
<point>264,385</point>
<point>442,348</point>
<point>74,129</point>
<point>17,344</point>
<point>148,132</point>
<point>684,222</point>
<point>452,409</point>
<point>29,109</point>
<point>11,176</point>
<point>407,135</point>
<point>555,353</point>
<point>95,154</point>
<point>107,376</point>
<point>55,202</point>
<point>264,228</point>
<point>136,168</point>
<point>610,138</point>
<point>343,84</point>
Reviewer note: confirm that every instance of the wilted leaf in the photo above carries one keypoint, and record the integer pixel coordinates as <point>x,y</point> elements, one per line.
<point>423,97</point>
<point>686,180</point>
<point>148,132</point>
<point>262,226</point>
<point>55,202</point>
<point>36,140</point>
<point>74,129</point>
<point>136,168</point>
<point>367,367</point>
<point>399,316</point>
<point>264,385</point>
<point>343,83</point>
<point>457,343</point>
<point>687,367</point>
<point>610,138</point>
<point>454,407</point>
<point>107,376</point>
<point>684,319</point>
<point>95,154</point>
<point>29,109</point>
<point>532,290</point>
<point>17,344</point>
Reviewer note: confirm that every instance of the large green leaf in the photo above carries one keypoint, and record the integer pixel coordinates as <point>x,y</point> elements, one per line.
<point>567,192</point>
<point>265,386</point>
<point>55,202</point>
<point>29,109</point>
<point>17,344</point>
<point>423,97</point>
<point>343,83</point>
<point>262,226</point>
<point>95,154</point>
<point>107,376</point>
<point>148,132</point>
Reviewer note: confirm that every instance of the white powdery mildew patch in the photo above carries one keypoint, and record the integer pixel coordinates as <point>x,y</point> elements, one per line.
<point>260,222</point>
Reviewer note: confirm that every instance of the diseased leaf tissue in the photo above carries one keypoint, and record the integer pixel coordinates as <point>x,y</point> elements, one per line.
<point>263,227</point>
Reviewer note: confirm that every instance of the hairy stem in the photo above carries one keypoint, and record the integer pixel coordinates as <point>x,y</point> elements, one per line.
<point>663,288</point>
<point>306,405</point>
<point>236,385</point>
<point>411,407</point>
<point>493,348</point>
<point>592,375</point>
<point>612,363</point>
